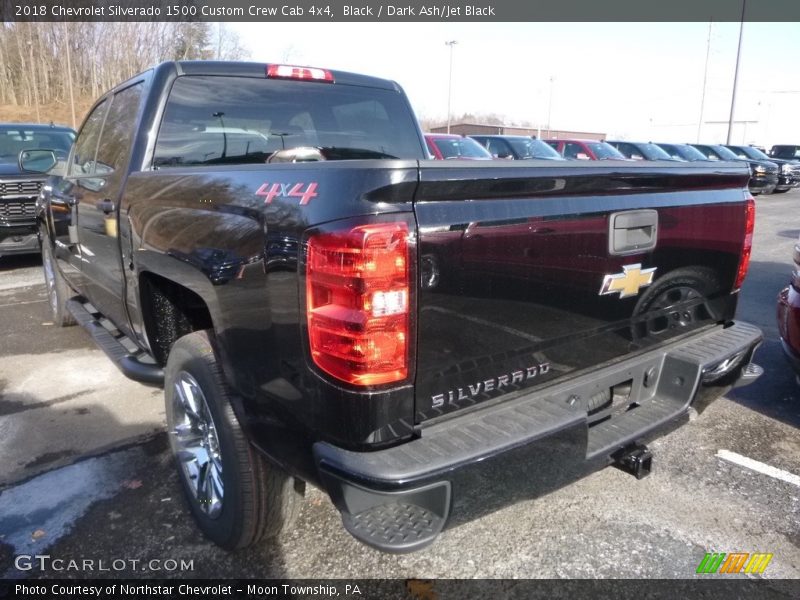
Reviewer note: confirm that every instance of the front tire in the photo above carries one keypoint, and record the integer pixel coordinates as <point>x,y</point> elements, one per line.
<point>236,496</point>
<point>58,292</point>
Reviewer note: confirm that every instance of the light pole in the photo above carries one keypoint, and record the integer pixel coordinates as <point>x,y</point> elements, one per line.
<point>736,74</point>
<point>550,108</point>
<point>705,81</point>
<point>451,43</point>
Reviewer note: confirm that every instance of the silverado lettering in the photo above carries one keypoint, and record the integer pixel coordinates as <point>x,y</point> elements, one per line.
<point>379,345</point>
<point>488,385</point>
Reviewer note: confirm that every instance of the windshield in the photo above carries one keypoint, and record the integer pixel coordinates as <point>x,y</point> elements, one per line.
<point>241,120</point>
<point>461,148</point>
<point>653,152</point>
<point>530,148</point>
<point>14,139</point>
<point>786,151</point>
<point>604,151</point>
<point>724,153</point>
<point>748,152</point>
<point>685,151</point>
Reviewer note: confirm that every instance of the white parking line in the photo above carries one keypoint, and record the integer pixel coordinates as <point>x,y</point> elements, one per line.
<point>23,303</point>
<point>759,467</point>
<point>22,283</point>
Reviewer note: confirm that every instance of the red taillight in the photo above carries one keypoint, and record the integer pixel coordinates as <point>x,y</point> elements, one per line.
<point>293,72</point>
<point>357,302</point>
<point>747,245</point>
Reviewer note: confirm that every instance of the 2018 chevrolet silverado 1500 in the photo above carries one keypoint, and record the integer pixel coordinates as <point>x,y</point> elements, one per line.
<point>323,304</point>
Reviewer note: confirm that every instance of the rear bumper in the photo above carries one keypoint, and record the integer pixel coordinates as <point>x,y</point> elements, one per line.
<point>18,239</point>
<point>401,498</point>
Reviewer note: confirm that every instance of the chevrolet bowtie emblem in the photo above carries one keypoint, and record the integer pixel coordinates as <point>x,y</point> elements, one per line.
<point>629,282</point>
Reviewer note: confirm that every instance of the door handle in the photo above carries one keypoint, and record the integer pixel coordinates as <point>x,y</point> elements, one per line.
<point>105,206</point>
<point>632,231</point>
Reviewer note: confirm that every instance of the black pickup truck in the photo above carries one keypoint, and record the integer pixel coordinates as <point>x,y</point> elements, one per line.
<point>324,305</point>
<point>20,188</point>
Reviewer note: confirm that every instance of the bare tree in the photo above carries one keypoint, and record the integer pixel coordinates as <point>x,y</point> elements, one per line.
<point>34,56</point>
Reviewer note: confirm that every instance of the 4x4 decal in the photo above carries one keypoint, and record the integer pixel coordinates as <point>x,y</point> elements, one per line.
<point>287,190</point>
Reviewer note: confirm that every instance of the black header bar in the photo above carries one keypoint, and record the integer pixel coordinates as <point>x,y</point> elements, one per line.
<point>400,10</point>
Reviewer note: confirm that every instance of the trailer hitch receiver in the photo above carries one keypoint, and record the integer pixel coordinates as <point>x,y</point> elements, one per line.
<point>635,459</point>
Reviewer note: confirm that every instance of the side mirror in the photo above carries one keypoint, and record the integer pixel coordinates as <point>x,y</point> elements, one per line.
<point>37,161</point>
<point>93,184</point>
<point>92,181</point>
<point>582,156</point>
<point>507,155</point>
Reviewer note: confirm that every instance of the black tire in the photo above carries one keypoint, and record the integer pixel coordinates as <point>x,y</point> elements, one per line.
<point>695,286</point>
<point>259,499</point>
<point>58,292</point>
<point>780,191</point>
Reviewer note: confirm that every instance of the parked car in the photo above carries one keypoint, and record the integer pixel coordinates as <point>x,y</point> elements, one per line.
<point>685,152</point>
<point>789,174</point>
<point>642,151</point>
<point>448,146</point>
<point>763,173</point>
<point>19,188</point>
<point>789,314</point>
<point>785,151</point>
<point>517,147</point>
<point>586,150</point>
<point>583,309</point>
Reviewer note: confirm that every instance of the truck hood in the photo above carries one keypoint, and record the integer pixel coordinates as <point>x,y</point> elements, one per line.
<point>9,169</point>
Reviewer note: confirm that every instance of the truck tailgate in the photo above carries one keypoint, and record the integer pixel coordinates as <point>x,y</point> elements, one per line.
<point>533,270</point>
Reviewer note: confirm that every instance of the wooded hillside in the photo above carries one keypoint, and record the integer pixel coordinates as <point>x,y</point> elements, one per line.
<point>52,71</point>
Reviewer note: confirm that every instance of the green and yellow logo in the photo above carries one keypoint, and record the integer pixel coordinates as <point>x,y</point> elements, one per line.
<point>734,562</point>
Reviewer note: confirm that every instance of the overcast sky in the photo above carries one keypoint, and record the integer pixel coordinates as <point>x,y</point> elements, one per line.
<point>628,80</point>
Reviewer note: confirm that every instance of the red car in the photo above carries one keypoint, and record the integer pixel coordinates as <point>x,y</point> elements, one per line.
<point>586,150</point>
<point>789,314</point>
<point>445,146</point>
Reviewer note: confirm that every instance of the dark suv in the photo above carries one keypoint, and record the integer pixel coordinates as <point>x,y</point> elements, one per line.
<point>786,152</point>
<point>18,188</point>
<point>763,173</point>
<point>789,174</point>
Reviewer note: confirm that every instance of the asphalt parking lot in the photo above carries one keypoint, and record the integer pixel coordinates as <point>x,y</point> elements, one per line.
<point>86,474</point>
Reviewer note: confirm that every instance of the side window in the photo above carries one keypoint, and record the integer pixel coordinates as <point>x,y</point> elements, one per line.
<point>86,142</point>
<point>572,150</point>
<point>117,138</point>
<point>499,148</point>
<point>632,151</point>
<point>626,150</point>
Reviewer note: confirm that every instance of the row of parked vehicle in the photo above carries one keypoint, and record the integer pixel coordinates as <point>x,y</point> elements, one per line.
<point>777,172</point>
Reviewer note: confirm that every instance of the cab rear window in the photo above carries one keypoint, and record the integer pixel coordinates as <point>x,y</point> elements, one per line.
<point>236,120</point>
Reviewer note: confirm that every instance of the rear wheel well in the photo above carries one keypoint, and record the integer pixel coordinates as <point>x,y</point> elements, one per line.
<point>722,263</point>
<point>170,311</point>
